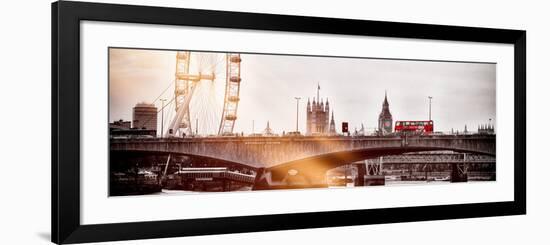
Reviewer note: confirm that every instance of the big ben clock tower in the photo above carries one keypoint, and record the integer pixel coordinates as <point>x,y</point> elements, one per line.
<point>385,120</point>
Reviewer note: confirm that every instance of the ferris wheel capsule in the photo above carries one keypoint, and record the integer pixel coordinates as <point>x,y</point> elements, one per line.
<point>235,59</point>
<point>235,79</point>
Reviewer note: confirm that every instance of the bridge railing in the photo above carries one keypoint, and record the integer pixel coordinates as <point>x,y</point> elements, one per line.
<point>264,138</point>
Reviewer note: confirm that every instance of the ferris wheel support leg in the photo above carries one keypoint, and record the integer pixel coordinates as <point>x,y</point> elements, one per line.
<point>182,112</point>
<point>172,128</point>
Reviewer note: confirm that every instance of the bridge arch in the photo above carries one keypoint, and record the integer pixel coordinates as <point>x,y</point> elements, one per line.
<point>320,164</point>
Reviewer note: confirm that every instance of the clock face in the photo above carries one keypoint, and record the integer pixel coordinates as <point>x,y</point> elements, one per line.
<point>387,123</point>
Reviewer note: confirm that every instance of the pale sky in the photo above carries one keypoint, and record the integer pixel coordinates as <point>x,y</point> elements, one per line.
<point>463,93</point>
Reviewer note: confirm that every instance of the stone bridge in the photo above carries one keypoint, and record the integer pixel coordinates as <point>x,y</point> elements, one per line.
<point>304,154</point>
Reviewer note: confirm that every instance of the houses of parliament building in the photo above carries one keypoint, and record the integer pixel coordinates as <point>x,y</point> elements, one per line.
<point>317,121</point>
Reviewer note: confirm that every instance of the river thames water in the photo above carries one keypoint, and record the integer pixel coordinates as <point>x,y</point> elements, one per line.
<point>387,183</point>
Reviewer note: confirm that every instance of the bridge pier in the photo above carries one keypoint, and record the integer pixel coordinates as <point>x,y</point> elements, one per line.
<point>226,185</point>
<point>459,172</point>
<point>361,173</point>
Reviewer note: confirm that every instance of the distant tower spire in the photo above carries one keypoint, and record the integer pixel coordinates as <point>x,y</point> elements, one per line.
<point>332,127</point>
<point>386,98</point>
<point>268,131</point>
<point>318,88</point>
<point>385,119</point>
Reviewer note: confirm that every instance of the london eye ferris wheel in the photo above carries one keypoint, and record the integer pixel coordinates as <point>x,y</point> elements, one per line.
<point>206,94</point>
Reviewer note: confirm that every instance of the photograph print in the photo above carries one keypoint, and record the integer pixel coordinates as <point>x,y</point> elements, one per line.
<point>186,122</point>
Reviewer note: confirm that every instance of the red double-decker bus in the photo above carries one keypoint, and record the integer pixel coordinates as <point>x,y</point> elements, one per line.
<point>415,127</point>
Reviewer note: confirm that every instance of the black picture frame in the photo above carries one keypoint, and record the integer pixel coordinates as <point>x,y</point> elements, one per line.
<point>66,18</point>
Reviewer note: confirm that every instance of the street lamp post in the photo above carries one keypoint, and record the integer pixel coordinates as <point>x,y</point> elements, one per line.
<point>297,108</point>
<point>430,110</point>
<point>162,118</point>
